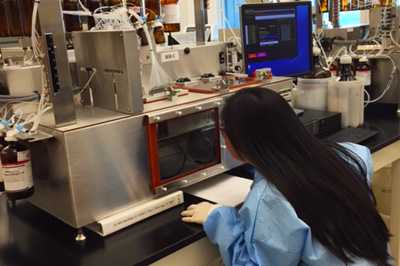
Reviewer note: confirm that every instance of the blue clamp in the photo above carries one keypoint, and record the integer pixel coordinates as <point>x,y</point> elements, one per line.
<point>6,123</point>
<point>20,128</point>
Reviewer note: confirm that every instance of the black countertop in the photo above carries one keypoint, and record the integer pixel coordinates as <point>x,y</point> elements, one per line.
<point>384,119</point>
<point>29,236</point>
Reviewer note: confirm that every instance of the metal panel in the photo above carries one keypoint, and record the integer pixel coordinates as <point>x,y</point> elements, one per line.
<point>201,59</point>
<point>109,168</point>
<point>184,110</point>
<point>192,179</point>
<point>91,173</point>
<point>53,191</point>
<point>115,55</point>
<point>381,69</point>
<point>51,22</point>
<point>85,117</point>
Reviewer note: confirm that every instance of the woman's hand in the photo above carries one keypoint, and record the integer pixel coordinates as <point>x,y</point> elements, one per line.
<point>198,213</point>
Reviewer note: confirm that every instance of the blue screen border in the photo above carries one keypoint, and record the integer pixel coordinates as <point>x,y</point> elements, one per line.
<point>280,67</point>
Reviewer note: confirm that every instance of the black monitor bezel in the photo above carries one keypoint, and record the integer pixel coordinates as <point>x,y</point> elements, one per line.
<point>278,6</point>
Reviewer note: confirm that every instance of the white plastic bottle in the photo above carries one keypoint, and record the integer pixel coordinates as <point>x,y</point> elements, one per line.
<point>311,94</point>
<point>346,95</point>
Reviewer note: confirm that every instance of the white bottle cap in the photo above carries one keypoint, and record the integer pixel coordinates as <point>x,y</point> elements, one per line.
<point>11,135</point>
<point>346,60</point>
<point>363,59</point>
<point>156,24</point>
<point>137,25</point>
<point>316,51</point>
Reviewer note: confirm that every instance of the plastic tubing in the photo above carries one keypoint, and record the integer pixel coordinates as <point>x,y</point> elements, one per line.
<point>28,98</point>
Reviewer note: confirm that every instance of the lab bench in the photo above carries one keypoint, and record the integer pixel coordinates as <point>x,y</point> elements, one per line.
<point>30,236</point>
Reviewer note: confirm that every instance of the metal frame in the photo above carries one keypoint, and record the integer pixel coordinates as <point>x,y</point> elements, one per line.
<point>59,75</point>
<point>200,15</point>
<point>162,185</point>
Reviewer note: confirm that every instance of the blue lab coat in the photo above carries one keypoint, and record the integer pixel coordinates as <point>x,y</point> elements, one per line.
<point>266,230</point>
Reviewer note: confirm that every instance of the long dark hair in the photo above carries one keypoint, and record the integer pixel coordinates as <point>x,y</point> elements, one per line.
<point>329,194</point>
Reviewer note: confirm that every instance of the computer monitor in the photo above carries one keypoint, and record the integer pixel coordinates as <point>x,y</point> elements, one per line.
<point>277,36</point>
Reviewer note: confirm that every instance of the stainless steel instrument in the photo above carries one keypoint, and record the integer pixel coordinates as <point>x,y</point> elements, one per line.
<point>100,166</point>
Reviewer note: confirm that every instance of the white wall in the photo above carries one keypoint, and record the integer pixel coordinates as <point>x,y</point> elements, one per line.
<point>187,13</point>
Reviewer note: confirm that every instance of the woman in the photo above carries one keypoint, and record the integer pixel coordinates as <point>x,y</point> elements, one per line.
<point>310,203</point>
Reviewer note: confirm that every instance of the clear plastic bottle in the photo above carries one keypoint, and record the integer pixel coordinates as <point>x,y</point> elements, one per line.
<point>171,15</point>
<point>363,71</point>
<point>17,169</point>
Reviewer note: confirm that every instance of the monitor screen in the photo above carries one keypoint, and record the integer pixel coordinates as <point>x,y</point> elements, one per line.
<point>277,36</point>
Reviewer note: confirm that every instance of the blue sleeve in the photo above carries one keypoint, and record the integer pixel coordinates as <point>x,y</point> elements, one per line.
<point>365,155</point>
<point>266,231</point>
<point>225,229</point>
